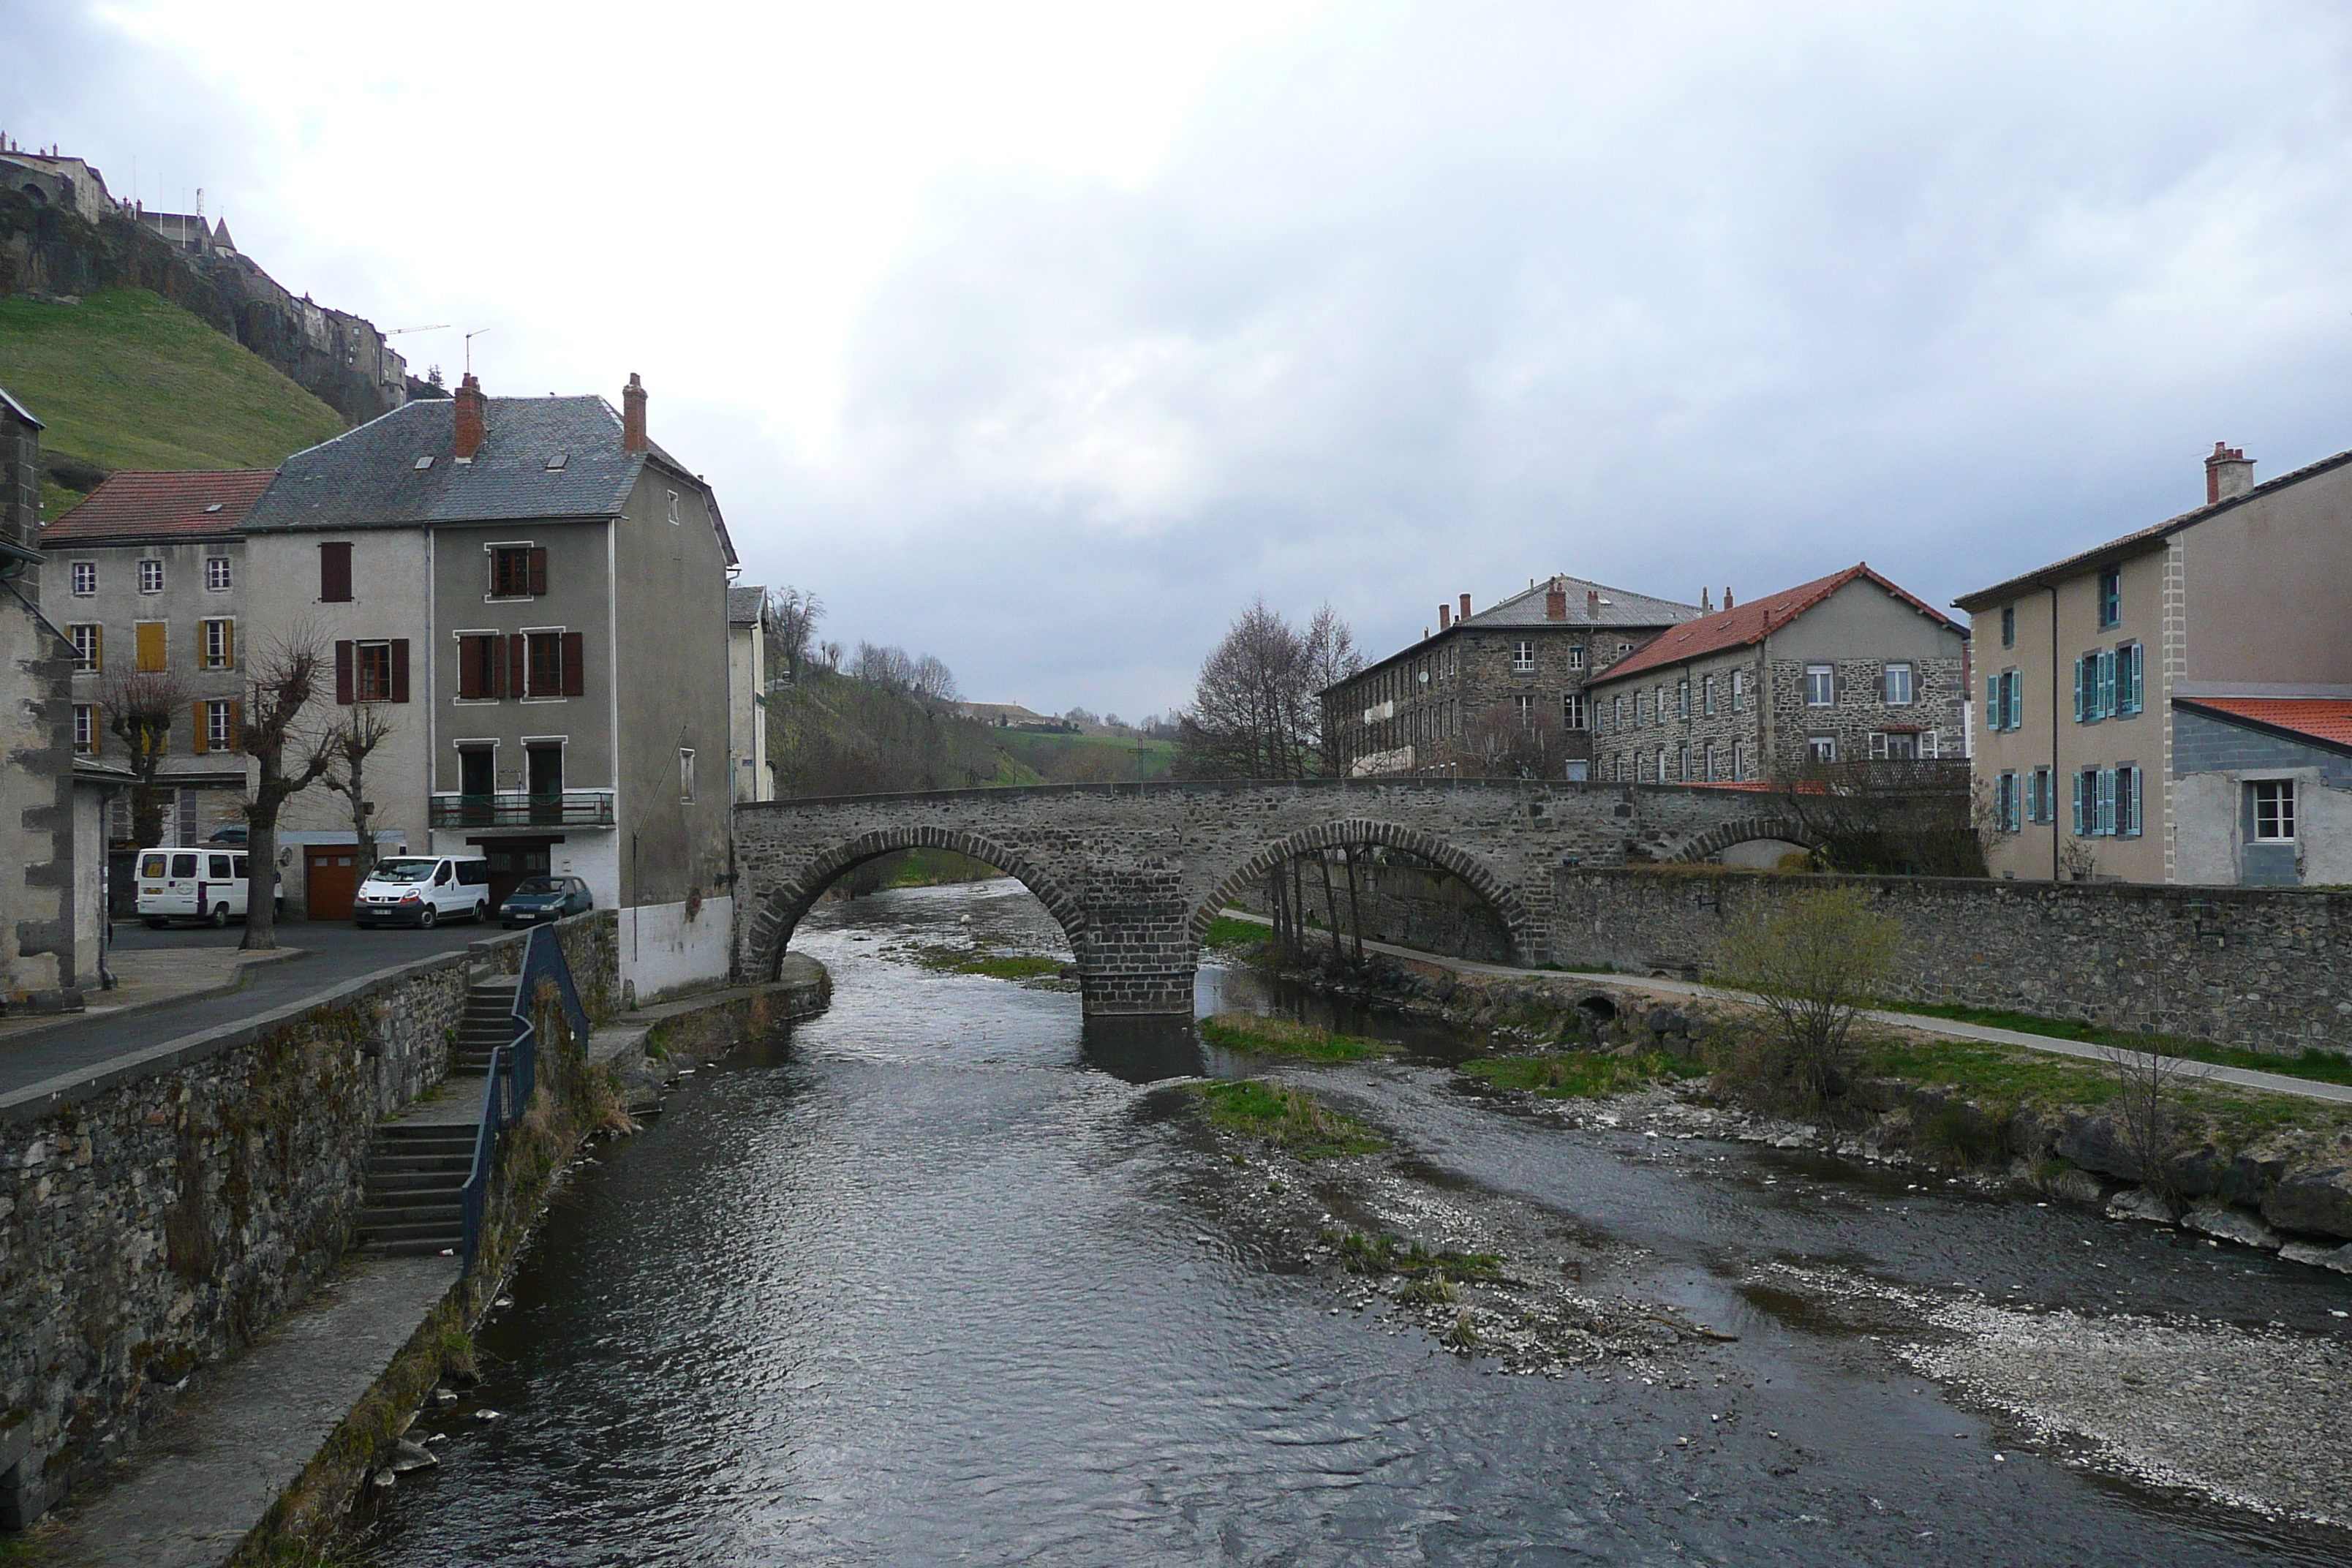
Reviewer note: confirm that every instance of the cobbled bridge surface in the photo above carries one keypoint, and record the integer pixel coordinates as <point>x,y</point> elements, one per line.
<point>1135,872</point>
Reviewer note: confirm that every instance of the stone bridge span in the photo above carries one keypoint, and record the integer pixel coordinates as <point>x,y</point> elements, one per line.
<point>1135,872</point>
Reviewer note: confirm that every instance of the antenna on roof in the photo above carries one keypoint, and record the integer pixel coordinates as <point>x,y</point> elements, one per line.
<point>476,332</point>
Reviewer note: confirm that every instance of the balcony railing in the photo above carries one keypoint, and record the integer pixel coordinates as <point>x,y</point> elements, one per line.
<point>573,808</point>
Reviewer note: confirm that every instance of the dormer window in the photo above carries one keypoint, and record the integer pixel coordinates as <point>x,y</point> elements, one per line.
<point>555,463</point>
<point>213,508</point>
<point>425,461</point>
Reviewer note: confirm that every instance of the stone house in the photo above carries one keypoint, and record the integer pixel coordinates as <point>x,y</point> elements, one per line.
<point>535,595</point>
<point>1535,653</point>
<point>749,776</point>
<point>1847,667</point>
<point>147,578</point>
<point>2157,709</point>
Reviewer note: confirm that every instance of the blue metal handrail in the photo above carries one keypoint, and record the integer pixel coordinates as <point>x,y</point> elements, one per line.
<point>514,1073</point>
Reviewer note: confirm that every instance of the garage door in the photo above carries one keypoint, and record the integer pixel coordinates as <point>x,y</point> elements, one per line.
<point>330,876</point>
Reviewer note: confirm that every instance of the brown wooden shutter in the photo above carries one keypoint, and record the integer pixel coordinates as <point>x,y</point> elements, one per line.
<point>518,670</point>
<point>228,645</point>
<point>575,663</point>
<point>202,738</point>
<point>98,649</point>
<point>344,673</point>
<point>400,669</point>
<point>469,671</point>
<point>237,724</point>
<point>538,569</point>
<point>335,574</point>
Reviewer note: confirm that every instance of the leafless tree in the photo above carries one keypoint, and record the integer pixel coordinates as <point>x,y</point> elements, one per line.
<point>1256,709</point>
<point>1498,741</point>
<point>281,680</point>
<point>794,615</point>
<point>352,743</point>
<point>2149,1118</point>
<point>934,681</point>
<point>140,707</point>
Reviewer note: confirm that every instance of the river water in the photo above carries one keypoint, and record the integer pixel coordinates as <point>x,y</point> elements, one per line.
<point>938,1278</point>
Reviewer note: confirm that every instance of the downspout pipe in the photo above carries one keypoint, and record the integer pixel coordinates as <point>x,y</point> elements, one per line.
<point>2053,802</point>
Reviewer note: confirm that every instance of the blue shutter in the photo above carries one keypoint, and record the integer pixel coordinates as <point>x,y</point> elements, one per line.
<point>2078,692</point>
<point>2107,709</point>
<point>2078,805</point>
<point>2135,671</point>
<point>1992,701</point>
<point>2106,829</point>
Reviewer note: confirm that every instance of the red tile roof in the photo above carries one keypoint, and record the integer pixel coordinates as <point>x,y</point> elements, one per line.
<point>1748,624</point>
<point>2325,719</point>
<point>135,504</point>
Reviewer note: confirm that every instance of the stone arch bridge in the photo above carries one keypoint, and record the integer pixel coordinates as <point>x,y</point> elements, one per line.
<point>1135,872</point>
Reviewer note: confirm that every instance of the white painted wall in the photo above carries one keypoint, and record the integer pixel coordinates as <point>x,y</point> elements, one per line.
<point>663,952</point>
<point>2207,810</point>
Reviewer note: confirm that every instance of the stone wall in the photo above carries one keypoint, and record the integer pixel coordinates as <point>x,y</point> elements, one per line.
<point>2268,969</point>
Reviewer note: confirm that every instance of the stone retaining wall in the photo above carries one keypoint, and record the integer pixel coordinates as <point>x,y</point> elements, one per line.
<point>2265,968</point>
<point>161,1211</point>
<point>1420,908</point>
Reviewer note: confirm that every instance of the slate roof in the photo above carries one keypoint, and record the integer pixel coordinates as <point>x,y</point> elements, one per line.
<point>2140,543</point>
<point>19,409</point>
<point>368,476</point>
<point>1746,625</point>
<point>744,605</point>
<point>144,505</point>
<point>1617,607</point>
<point>2326,720</point>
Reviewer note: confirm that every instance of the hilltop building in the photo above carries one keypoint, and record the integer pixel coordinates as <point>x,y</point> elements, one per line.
<point>1536,652</point>
<point>2176,705</point>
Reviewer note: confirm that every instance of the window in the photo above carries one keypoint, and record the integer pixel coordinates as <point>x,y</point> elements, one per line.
<point>2095,687</point>
<point>2041,796</point>
<point>2111,596</point>
<point>220,726</point>
<point>1927,743</point>
<point>481,666</point>
<point>1707,696</point>
<point>1822,748</point>
<point>2004,701</point>
<point>554,664</point>
<point>1575,711</point>
<point>1738,762</point>
<point>372,672</point>
<point>1893,746</point>
<point>1526,709</point>
<point>1623,648</point>
<point>217,577</point>
<point>672,519</point>
<point>477,770</point>
<point>1617,714</point>
<point>1576,655</point>
<point>1898,686</point>
<point>219,644</point>
<point>85,730</point>
<point>1682,699</point>
<point>151,576</point>
<point>2128,780</point>
<point>517,571</point>
<point>87,643</point>
<point>85,579</point>
<point>148,642</point>
<point>686,774</point>
<point>1821,686</point>
<point>335,574</point>
<point>2009,626</point>
<point>1739,691</point>
<point>2274,810</point>
<point>1710,761</point>
<point>1523,657</point>
<point>1682,762</point>
<point>2131,671</point>
<point>1661,765</point>
<point>2094,803</point>
<point>2005,804</point>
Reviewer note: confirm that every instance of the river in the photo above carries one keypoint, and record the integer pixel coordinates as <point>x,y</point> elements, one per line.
<point>938,1278</point>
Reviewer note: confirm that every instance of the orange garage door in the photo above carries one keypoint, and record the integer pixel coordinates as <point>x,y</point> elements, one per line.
<point>330,876</point>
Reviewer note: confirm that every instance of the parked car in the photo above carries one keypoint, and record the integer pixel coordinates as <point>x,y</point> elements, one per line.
<point>233,833</point>
<point>545,899</point>
<point>424,890</point>
<point>183,883</point>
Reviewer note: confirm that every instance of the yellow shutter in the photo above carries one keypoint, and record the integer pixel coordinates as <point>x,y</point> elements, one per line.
<point>98,648</point>
<point>151,645</point>
<point>203,734</point>
<point>228,645</point>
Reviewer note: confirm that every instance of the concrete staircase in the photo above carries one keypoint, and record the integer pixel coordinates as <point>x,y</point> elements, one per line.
<point>418,1165</point>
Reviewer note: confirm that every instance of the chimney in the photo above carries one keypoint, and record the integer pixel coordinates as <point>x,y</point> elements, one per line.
<point>1465,606</point>
<point>1556,603</point>
<point>1726,595</point>
<point>1445,617</point>
<point>632,415</point>
<point>1592,605</point>
<point>1704,607</point>
<point>2227,473</point>
<point>469,417</point>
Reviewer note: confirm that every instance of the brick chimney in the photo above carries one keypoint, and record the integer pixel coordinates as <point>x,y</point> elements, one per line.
<point>2228,473</point>
<point>1704,608</point>
<point>1726,595</point>
<point>1556,602</point>
<point>469,403</point>
<point>1592,605</point>
<point>1445,617</point>
<point>1465,606</point>
<point>632,415</point>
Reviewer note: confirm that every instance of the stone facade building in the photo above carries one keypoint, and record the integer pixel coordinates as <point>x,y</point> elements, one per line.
<point>2161,708</point>
<point>1848,668</point>
<point>1534,654</point>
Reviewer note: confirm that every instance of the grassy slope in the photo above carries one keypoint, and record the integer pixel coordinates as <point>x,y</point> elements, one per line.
<point>128,380</point>
<point>1087,758</point>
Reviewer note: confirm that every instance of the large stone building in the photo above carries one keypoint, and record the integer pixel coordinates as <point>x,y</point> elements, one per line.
<point>2171,706</point>
<point>1534,654</point>
<point>1848,668</point>
<point>533,594</point>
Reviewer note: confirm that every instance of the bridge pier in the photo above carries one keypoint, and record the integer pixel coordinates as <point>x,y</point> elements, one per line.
<point>1138,993</point>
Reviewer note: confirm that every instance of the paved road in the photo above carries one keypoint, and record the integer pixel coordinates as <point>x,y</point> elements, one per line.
<point>334,952</point>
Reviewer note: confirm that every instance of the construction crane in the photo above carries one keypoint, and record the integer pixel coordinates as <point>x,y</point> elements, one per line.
<point>397,331</point>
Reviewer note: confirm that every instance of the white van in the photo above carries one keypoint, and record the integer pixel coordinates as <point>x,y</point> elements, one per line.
<point>424,890</point>
<point>206,884</point>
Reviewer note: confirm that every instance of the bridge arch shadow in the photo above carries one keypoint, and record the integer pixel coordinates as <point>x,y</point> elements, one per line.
<point>1498,893</point>
<point>1723,835</point>
<point>780,913</point>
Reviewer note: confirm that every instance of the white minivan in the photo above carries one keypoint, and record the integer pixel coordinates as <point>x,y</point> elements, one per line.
<point>424,890</point>
<point>206,884</point>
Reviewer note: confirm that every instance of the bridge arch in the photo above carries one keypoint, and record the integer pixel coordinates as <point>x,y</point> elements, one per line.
<point>781,911</point>
<point>1742,830</point>
<point>1499,893</point>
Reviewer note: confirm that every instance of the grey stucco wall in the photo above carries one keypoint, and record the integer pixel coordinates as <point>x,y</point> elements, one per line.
<point>38,947</point>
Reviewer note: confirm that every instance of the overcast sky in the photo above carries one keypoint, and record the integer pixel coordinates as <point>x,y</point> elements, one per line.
<point>1043,338</point>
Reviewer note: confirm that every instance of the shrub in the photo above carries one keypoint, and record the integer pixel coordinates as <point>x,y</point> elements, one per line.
<point>1815,962</point>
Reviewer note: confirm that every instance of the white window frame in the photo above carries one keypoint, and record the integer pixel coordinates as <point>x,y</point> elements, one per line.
<point>204,652</point>
<point>2283,813</point>
<point>1706,695</point>
<point>1910,687</point>
<point>686,776</point>
<point>1739,691</point>
<point>360,647</point>
<point>85,741</point>
<point>1738,762</point>
<point>1575,710</point>
<point>83,574</point>
<point>1576,655</point>
<point>1526,709</point>
<point>1523,657</point>
<point>1821,686</point>
<point>220,576</point>
<point>220,732</point>
<point>156,564</point>
<point>87,650</point>
<point>1682,698</point>
<point>1822,748</point>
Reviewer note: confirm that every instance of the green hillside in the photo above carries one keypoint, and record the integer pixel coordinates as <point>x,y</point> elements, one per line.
<point>128,380</point>
<point>1088,759</point>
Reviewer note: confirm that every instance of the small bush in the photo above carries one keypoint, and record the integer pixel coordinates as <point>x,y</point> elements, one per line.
<point>1250,1031</point>
<point>1815,962</point>
<point>1290,1117</point>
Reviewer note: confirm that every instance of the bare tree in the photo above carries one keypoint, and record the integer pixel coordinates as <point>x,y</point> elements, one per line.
<point>281,680</point>
<point>140,707</point>
<point>794,615</point>
<point>1256,710</point>
<point>2148,1115</point>
<point>933,680</point>
<point>352,743</point>
<point>1498,741</point>
<point>1815,962</point>
<point>1330,658</point>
